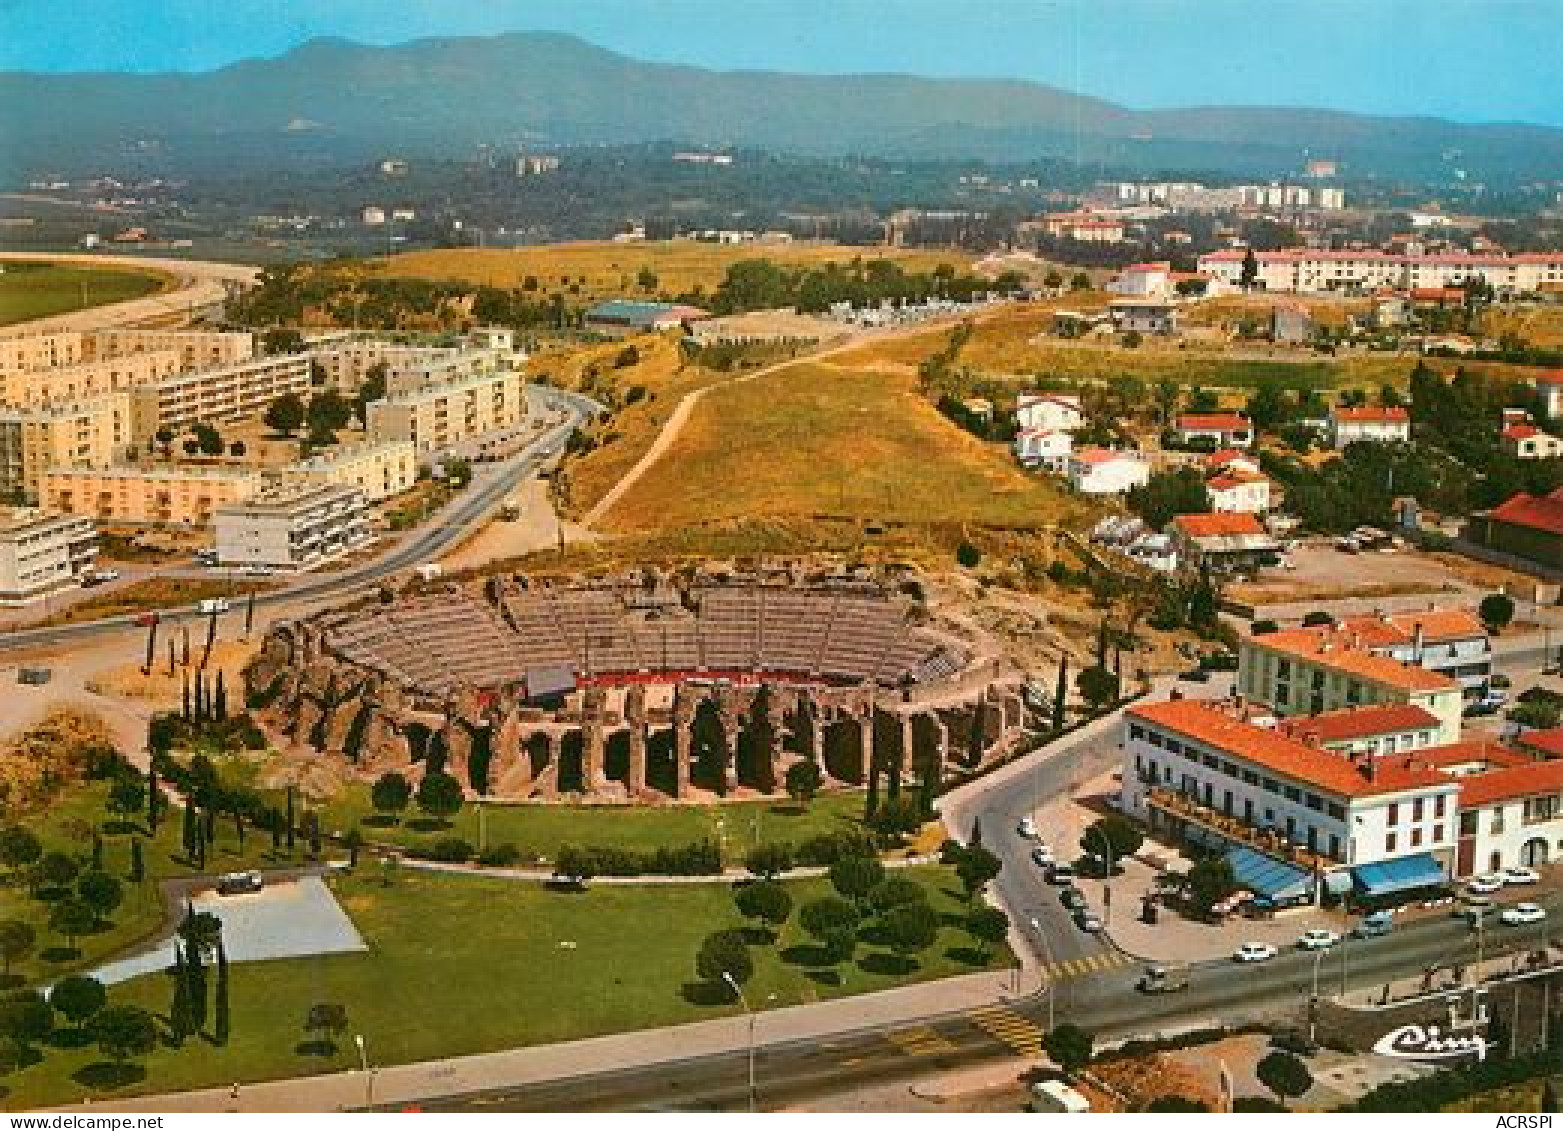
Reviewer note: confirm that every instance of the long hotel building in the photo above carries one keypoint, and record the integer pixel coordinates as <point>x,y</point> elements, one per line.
<point>1307,270</point>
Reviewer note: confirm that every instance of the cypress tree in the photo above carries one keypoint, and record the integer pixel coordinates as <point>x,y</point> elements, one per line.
<point>930,787</point>
<point>871,798</point>
<point>274,819</point>
<point>179,1009</point>
<point>292,820</point>
<point>238,827</point>
<point>1101,643</point>
<point>196,970</point>
<point>189,829</point>
<point>184,698</point>
<point>154,799</point>
<point>1061,693</point>
<point>137,865</point>
<point>211,824</point>
<point>97,852</point>
<point>220,699</point>
<point>221,1021</point>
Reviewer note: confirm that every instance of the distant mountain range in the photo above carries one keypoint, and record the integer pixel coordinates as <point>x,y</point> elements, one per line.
<point>330,101</point>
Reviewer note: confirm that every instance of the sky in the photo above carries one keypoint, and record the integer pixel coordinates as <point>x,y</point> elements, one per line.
<point>1470,60</point>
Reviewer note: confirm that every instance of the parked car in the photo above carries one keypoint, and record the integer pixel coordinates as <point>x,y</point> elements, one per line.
<point>1371,926</point>
<point>240,883</point>
<point>1027,828</point>
<point>1042,856</point>
<point>106,574</point>
<point>257,570</point>
<point>1164,978</point>
<point>1521,914</point>
<point>1485,885</point>
<point>1195,675</point>
<point>1088,922</point>
<point>1072,898</point>
<point>1520,875</point>
<point>1255,952</point>
<point>1318,939</point>
<point>1498,679</point>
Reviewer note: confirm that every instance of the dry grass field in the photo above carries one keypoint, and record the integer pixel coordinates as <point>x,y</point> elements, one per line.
<point>829,439</point>
<point>1540,326</point>
<point>611,270</point>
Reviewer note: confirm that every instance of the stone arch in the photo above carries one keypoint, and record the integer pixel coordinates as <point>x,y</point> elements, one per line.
<point>616,756</point>
<point>708,747</point>
<point>572,762</point>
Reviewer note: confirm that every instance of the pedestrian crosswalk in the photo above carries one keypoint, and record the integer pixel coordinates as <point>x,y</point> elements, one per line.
<point>1019,1033</point>
<point>919,1040</point>
<point>1081,967</point>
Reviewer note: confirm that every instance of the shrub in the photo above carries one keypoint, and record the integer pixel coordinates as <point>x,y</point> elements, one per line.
<point>449,850</point>
<point>504,855</point>
<point>968,555</point>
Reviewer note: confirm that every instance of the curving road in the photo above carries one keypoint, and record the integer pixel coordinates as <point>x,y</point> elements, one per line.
<point>200,284</point>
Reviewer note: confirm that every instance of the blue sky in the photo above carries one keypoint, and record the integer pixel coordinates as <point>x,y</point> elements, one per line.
<point>1473,60</point>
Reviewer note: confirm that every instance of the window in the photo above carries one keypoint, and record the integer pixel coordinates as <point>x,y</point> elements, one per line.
<point>1336,810</point>
<point>1438,805</point>
<point>1467,824</point>
<point>1250,778</point>
<point>1416,838</point>
<point>1136,732</point>
<point>1315,802</point>
<point>1229,769</point>
<point>1438,834</point>
<point>1293,793</point>
<point>1394,813</point>
<point>1390,842</point>
<point>1272,785</point>
<point>1155,739</point>
<point>1176,747</point>
<point>1416,809</point>
<point>1211,760</point>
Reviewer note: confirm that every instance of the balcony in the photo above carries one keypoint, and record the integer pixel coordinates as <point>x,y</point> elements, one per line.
<point>1270,842</point>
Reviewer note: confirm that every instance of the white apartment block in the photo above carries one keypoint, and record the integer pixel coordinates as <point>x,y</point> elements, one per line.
<point>437,417</point>
<point>197,349</point>
<point>96,432</point>
<point>26,388</point>
<point>347,364</point>
<point>1099,471</point>
<point>223,393</point>
<point>378,470</point>
<point>1369,425</point>
<point>446,367</point>
<point>293,527</point>
<point>1238,493</point>
<point>1306,270</point>
<point>42,552</point>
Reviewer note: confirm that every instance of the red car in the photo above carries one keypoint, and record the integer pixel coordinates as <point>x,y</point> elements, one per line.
<point>146,620</point>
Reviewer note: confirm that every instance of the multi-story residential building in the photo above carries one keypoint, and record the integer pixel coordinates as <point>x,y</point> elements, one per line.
<point>1379,731</point>
<point>1452,642</point>
<point>436,417</point>
<point>96,432</point>
<point>292,527</point>
<point>197,349</point>
<point>21,352</point>
<point>1039,447</point>
<point>161,494</point>
<point>42,552</point>
<point>1238,493</point>
<point>1316,819</point>
<point>223,393</point>
<point>28,388</point>
<point>1224,429</point>
<point>1511,815</point>
<point>1050,412</point>
<point>1087,227</point>
<point>1310,670</point>
<point>444,368</point>
<point>1100,471</point>
<point>1368,424</point>
<point>379,470</point>
<point>1310,270</point>
<point>1143,280</point>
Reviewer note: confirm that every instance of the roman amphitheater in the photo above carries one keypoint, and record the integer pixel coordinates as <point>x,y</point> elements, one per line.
<point>645,688</point>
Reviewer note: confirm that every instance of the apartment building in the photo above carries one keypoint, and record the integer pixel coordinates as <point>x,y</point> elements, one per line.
<point>1307,671</point>
<point>1369,424</point>
<point>445,367</point>
<point>379,470</point>
<point>27,388</point>
<point>292,526</point>
<point>1311,270</point>
<point>41,552</point>
<point>223,393</point>
<point>347,364</point>
<point>154,494</point>
<point>21,352</point>
<point>436,417</point>
<point>94,433</point>
<point>197,349</point>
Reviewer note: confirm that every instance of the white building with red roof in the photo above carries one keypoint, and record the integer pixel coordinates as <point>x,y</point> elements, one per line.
<point>1143,280</point>
<point>1043,447</point>
<point>1234,492</point>
<point>1102,471</point>
<point>1053,412</point>
<point>1526,441</point>
<point>1369,424</point>
<point>1231,461</point>
<point>1224,429</point>
<point>1319,270</point>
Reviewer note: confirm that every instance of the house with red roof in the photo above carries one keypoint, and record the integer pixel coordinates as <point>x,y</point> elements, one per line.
<point>1055,412</point>
<point>1103,471</point>
<point>1224,429</point>
<point>1224,543</point>
<point>1043,447</point>
<point>1235,492</point>
<point>1369,424</point>
<point>1526,441</point>
<point>1526,526</point>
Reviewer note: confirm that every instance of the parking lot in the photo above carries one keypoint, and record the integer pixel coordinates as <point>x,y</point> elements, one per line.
<point>1361,582</point>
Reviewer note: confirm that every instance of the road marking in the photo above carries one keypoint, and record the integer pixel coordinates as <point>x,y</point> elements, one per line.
<point>1019,1033</point>
<point>1090,964</point>
<point>920,1041</point>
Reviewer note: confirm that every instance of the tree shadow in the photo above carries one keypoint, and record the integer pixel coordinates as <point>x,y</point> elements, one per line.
<point>71,1038</point>
<point>105,1075</point>
<point>784,809</point>
<point>316,1046</point>
<point>826,977</point>
<point>53,893</point>
<point>758,936</point>
<point>428,824</point>
<point>894,965</point>
<point>806,954</point>
<point>11,981</point>
<point>967,956</point>
<point>706,993</point>
<point>874,935</point>
<point>380,821</point>
<point>119,826</point>
<point>60,953</point>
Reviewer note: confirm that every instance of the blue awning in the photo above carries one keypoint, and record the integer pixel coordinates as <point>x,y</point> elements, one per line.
<point>1405,874</point>
<point>1265,875</point>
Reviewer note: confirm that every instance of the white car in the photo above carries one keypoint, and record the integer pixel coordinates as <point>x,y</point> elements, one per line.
<point>1042,856</point>
<point>1485,885</point>
<point>1318,939</point>
<point>1027,828</point>
<point>1520,875</point>
<point>1255,952</point>
<point>1521,914</point>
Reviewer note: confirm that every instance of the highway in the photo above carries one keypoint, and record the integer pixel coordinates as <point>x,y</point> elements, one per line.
<point>490,484</point>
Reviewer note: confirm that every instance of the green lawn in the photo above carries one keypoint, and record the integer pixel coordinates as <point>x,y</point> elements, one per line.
<point>540,830</point>
<point>67,827</point>
<point>36,290</point>
<point>464,964</point>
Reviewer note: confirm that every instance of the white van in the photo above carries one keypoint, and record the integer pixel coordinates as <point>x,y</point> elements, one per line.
<point>213,606</point>
<point>1055,1096</point>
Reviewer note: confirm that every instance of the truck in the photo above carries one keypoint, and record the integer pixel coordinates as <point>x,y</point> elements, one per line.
<point>429,571</point>
<point>1057,1097</point>
<point>213,606</point>
<point>1164,978</point>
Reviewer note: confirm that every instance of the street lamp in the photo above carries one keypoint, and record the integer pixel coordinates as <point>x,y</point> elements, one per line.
<point>369,1073</point>
<point>1047,953</point>
<point>1313,997</point>
<point>743,1001</point>
<point>1107,877</point>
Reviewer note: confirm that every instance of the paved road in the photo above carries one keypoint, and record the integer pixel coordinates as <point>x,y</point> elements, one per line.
<point>201,284</point>
<point>490,485</point>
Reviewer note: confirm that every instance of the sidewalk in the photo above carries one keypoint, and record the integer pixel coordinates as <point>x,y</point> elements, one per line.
<point>409,1083</point>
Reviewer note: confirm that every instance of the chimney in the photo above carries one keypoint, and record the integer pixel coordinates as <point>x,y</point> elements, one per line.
<point>1416,642</point>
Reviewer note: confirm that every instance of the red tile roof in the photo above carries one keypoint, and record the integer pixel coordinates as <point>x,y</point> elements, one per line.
<point>1228,455</point>
<point>1323,769</point>
<point>1102,455</point>
<point>1511,783</point>
<point>1341,650</point>
<point>1521,432</point>
<point>1536,512</point>
<point>1215,422</point>
<point>1217,525</point>
<point>1401,628</point>
<point>1360,722</point>
<point>1549,741</point>
<point>1371,415</point>
<point>1228,482</point>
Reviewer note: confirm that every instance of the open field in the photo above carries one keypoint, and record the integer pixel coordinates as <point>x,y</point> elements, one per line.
<point>460,964</point>
<point>37,290</point>
<point>1541,326</point>
<point>828,439</point>
<point>590,271</point>
<point>538,831</point>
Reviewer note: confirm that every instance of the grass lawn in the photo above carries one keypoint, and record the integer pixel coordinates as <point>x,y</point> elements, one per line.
<point>596,270</point>
<point>31,289</point>
<point>818,439</point>
<point>539,830</point>
<point>67,827</point>
<point>461,965</point>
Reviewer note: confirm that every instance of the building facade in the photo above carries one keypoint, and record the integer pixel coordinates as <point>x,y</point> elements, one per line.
<point>436,417</point>
<point>21,352</point>
<point>378,470</point>
<point>224,393</point>
<point>1311,270</point>
<point>292,527</point>
<point>92,433</point>
<point>155,494</point>
<point>1099,471</point>
<point>32,387</point>
<point>197,349</point>
<point>1369,425</point>
<point>42,552</point>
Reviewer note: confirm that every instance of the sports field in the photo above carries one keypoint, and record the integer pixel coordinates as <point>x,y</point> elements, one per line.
<point>31,290</point>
